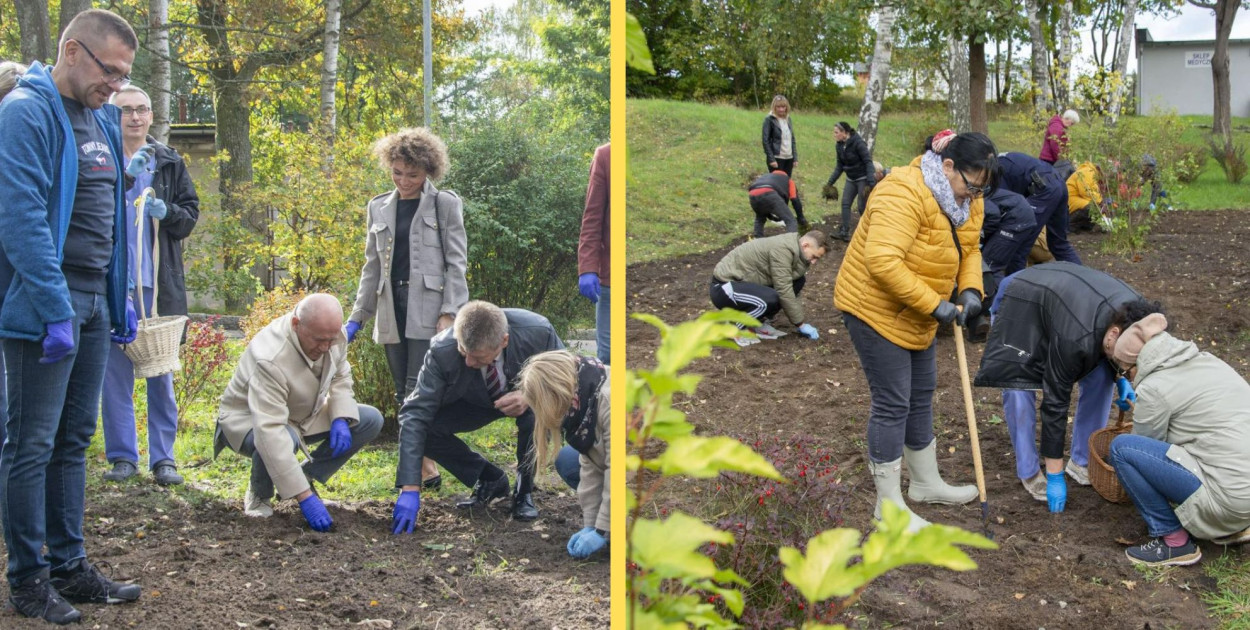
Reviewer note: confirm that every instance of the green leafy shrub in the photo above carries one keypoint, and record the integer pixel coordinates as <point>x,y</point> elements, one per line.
<point>205,371</point>
<point>671,580</point>
<point>1230,157</point>
<point>1187,162</point>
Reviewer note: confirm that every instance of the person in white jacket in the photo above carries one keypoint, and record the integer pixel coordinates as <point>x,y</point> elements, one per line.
<point>570,396</point>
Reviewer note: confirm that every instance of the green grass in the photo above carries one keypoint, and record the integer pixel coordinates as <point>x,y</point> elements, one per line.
<point>689,165</point>
<point>1229,602</point>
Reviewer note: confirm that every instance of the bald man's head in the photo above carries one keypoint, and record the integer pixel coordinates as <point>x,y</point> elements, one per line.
<point>318,323</point>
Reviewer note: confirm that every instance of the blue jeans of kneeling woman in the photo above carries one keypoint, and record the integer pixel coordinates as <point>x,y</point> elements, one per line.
<point>1153,480</point>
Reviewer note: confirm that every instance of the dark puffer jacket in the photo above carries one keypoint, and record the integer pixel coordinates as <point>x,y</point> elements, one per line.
<point>173,185</point>
<point>854,159</point>
<point>1047,335</point>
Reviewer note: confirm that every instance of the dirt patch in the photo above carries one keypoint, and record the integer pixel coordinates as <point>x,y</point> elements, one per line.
<point>203,564</point>
<point>1064,570</point>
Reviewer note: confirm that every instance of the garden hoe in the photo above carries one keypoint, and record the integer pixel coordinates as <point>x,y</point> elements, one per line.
<point>972,429</point>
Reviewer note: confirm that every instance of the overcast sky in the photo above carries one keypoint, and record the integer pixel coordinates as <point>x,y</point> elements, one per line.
<point>1192,23</point>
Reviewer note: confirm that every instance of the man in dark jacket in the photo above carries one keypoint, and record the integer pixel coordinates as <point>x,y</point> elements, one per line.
<point>1037,181</point>
<point>1052,325</point>
<point>855,160</point>
<point>464,385</point>
<point>1008,220</point>
<point>63,277</point>
<point>770,195</point>
<point>177,208</point>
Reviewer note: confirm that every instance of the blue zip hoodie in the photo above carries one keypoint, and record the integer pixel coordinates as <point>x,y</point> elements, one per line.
<point>39,177</point>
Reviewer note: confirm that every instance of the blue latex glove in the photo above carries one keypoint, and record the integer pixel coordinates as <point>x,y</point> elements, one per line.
<point>809,331</point>
<point>59,341</point>
<point>1125,395</point>
<point>156,208</point>
<point>1152,207</point>
<point>351,329</point>
<point>577,536</point>
<point>1163,194</point>
<point>132,324</point>
<point>1056,491</point>
<point>588,284</point>
<point>587,544</point>
<point>405,515</point>
<point>141,161</point>
<point>340,437</point>
<point>315,513</point>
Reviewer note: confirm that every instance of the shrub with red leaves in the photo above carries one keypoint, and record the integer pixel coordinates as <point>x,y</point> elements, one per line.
<point>203,356</point>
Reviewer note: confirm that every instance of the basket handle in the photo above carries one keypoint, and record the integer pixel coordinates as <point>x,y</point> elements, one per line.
<point>140,211</point>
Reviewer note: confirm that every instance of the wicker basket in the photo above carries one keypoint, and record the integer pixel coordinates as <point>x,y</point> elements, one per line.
<point>1101,474</point>
<point>157,341</point>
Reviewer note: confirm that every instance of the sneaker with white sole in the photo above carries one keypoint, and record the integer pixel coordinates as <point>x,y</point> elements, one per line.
<point>1240,537</point>
<point>1078,473</point>
<point>1155,552</point>
<point>1036,486</point>
<point>745,341</point>
<point>767,331</point>
<point>255,506</point>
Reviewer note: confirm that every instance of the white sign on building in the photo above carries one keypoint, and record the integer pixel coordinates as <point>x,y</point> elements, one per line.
<point>1199,59</point>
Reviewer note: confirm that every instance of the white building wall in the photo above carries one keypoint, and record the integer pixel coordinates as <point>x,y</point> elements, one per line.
<point>1177,76</point>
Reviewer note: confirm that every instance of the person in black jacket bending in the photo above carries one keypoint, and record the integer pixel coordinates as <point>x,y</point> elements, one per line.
<point>855,160</point>
<point>781,150</point>
<point>1008,220</point>
<point>1055,325</point>
<point>1047,192</point>
<point>770,195</point>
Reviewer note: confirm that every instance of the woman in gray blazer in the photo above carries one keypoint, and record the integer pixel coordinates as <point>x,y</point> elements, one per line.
<point>413,279</point>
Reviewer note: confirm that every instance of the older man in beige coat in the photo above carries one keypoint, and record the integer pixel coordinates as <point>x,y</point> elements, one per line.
<point>293,386</point>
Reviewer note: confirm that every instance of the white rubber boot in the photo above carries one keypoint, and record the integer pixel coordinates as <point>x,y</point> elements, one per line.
<point>926,483</point>
<point>888,478</point>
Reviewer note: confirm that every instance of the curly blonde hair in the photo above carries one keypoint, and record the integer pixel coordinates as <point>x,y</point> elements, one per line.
<point>548,384</point>
<point>416,146</point>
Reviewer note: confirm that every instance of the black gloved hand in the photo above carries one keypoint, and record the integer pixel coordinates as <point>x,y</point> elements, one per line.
<point>970,300</point>
<point>945,312</point>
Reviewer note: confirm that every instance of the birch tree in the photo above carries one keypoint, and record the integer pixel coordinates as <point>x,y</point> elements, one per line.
<point>1042,97</point>
<point>957,107</point>
<point>879,75</point>
<point>1063,66</point>
<point>330,67</point>
<point>1120,89</point>
<point>158,44</point>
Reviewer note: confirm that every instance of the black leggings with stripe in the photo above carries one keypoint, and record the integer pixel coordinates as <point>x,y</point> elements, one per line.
<point>756,300</point>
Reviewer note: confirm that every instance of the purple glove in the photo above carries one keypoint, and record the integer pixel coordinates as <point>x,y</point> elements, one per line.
<point>406,512</point>
<point>315,513</point>
<point>351,329</point>
<point>156,208</point>
<point>141,161</point>
<point>588,284</point>
<point>340,437</point>
<point>132,325</point>
<point>59,341</point>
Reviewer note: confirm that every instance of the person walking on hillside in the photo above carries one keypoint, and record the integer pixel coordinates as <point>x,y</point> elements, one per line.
<point>764,276</point>
<point>1055,144</point>
<point>915,248</point>
<point>781,150</point>
<point>771,196</point>
<point>416,255</point>
<point>855,160</point>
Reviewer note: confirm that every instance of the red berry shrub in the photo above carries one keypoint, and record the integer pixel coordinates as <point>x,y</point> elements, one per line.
<point>203,357</point>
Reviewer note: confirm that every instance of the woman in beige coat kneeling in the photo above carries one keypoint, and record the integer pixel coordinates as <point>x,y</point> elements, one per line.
<point>570,396</point>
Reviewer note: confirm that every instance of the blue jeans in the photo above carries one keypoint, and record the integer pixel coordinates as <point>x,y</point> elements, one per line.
<point>1093,406</point>
<point>323,464</point>
<point>117,407</point>
<point>603,325</point>
<point>43,466</point>
<point>1152,481</point>
<point>569,466</point>
<point>902,383</point>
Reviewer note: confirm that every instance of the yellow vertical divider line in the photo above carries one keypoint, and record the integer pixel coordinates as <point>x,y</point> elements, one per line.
<point>618,288</point>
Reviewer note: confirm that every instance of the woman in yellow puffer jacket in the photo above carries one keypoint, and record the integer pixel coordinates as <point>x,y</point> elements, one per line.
<point>918,241</point>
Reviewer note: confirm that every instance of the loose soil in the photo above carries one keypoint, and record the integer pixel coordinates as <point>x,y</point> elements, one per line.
<point>203,564</point>
<point>1063,570</point>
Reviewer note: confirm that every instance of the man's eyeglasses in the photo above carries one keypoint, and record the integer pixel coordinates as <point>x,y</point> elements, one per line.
<point>111,77</point>
<point>975,191</point>
<point>142,110</point>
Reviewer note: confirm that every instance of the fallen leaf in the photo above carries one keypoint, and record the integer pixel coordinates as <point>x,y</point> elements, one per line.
<point>1129,584</point>
<point>1019,596</point>
<point>1124,541</point>
<point>951,449</point>
<point>437,546</point>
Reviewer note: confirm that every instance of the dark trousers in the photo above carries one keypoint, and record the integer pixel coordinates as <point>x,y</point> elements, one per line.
<point>902,383</point>
<point>850,191</point>
<point>770,205</point>
<point>782,164</point>
<point>406,357</point>
<point>443,444</point>
<point>756,300</point>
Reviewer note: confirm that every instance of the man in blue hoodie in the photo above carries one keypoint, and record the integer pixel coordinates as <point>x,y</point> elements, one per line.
<point>63,277</point>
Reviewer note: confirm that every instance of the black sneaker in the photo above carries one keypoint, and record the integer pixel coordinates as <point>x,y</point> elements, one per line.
<point>37,598</point>
<point>1157,553</point>
<point>84,584</point>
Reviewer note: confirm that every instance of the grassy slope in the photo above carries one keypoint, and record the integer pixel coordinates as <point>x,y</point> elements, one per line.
<point>690,164</point>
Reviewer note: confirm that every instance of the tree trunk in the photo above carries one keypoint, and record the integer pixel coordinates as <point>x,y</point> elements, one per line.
<point>1063,69</point>
<point>980,121</point>
<point>1122,43</point>
<point>1008,81</point>
<point>158,44</point>
<point>330,71</point>
<point>957,102</point>
<point>70,8</point>
<point>34,29</point>
<point>1042,97</point>
<point>1222,125</point>
<point>878,76</point>
<point>998,67</point>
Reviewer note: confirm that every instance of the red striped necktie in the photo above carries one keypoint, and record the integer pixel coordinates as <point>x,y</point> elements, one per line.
<point>494,381</point>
